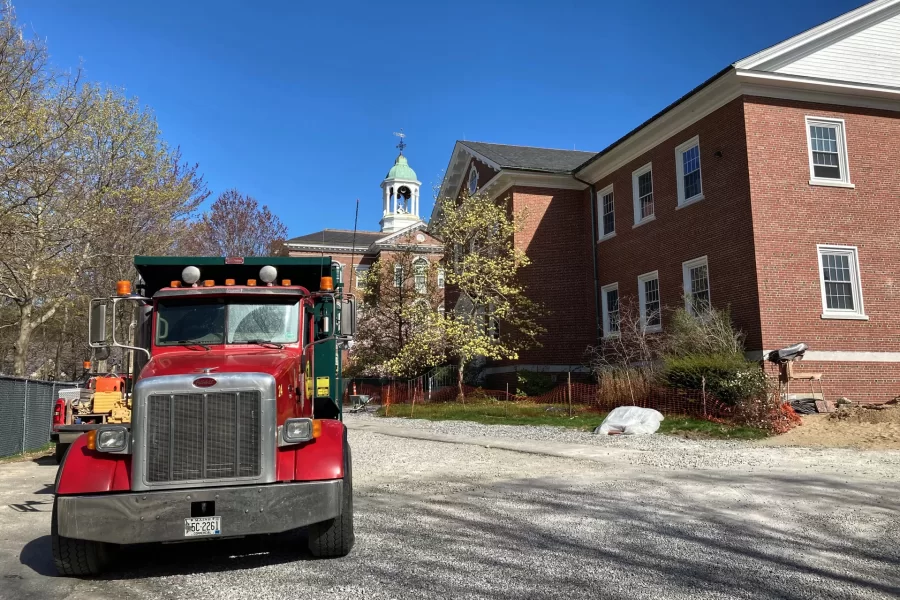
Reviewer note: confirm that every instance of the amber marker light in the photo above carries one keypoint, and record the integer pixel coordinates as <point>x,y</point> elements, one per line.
<point>123,288</point>
<point>251,282</point>
<point>92,440</point>
<point>87,365</point>
<point>174,283</point>
<point>229,282</point>
<point>326,284</point>
<point>317,428</point>
<point>285,282</point>
<point>208,283</point>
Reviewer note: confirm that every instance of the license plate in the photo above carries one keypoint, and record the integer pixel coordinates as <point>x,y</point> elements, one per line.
<point>195,526</point>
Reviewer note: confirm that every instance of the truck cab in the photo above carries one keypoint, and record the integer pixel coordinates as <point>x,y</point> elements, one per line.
<point>235,412</point>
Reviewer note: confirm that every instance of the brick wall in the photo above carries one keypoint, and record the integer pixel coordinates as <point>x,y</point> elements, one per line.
<point>718,227</point>
<point>791,217</point>
<point>556,237</point>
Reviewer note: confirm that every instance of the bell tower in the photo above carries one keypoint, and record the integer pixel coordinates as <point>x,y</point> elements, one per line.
<point>400,194</point>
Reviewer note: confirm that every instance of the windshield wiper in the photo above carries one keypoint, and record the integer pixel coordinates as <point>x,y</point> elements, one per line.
<point>192,343</point>
<point>265,343</point>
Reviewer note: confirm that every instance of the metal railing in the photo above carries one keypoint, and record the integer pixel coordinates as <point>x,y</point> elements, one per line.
<point>26,412</point>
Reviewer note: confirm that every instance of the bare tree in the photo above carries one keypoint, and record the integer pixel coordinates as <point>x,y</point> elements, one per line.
<point>400,293</point>
<point>235,225</point>
<point>629,350</point>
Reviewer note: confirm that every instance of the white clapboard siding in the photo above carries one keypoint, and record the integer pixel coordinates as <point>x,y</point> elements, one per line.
<point>869,56</point>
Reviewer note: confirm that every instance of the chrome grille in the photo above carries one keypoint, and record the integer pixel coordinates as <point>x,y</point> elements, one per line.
<point>203,436</point>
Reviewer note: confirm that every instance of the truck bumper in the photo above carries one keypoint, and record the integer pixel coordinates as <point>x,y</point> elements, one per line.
<point>134,518</point>
<point>64,437</point>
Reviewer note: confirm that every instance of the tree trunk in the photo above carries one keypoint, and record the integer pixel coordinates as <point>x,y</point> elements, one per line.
<point>23,340</point>
<point>459,381</point>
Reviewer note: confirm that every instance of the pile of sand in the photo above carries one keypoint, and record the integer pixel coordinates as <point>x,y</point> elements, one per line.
<point>873,428</point>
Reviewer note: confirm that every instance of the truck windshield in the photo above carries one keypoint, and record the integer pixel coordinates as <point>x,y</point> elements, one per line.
<point>235,321</point>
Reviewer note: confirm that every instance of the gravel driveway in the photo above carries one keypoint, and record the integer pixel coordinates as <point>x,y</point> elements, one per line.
<point>653,517</point>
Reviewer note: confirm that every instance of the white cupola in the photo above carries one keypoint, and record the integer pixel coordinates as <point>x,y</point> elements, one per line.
<point>400,195</point>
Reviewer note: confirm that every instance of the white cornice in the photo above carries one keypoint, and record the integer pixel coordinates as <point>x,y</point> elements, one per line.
<point>320,247</point>
<point>506,179</point>
<point>407,229</point>
<point>702,103</point>
<point>729,86</point>
<point>809,41</point>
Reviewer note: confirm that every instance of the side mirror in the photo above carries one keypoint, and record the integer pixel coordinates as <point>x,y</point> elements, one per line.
<point>348,318</point>
<point>97,324</point>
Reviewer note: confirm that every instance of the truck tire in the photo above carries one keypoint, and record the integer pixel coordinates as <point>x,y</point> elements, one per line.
<point>60,452</point>
<point>76,558</point>
<point>334,538</point>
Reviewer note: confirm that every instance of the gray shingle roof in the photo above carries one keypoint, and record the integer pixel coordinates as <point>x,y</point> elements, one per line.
<point>528,158</point>
<point>338,237</point>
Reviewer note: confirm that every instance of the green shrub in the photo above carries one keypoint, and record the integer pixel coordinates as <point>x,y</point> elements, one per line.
<point>728,377</point>
<point>532,383</point>
<point>707,331</point>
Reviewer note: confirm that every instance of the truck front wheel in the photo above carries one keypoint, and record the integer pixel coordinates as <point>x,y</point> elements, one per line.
<point>76,558</point>
<point>60,452</point>
<point>334,538</point>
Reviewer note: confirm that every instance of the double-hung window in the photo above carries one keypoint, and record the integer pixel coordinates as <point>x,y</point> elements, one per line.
<point>841,289</point>
<point>642,189</point>
<point>398,275</point>
<point>695,274</point>
<point>827,152</point>
<point>687,165</point>
<point>606,210</point>
<point>610,300</point>
<point>440,279</point>
<point>651,308</point>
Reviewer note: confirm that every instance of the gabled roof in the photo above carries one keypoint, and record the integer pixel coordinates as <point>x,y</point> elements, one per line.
<point>528,158</point>
<point>337,237</point>
<point>797,56</point>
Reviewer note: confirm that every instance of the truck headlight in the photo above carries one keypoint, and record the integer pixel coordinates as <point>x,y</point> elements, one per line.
<point>295,431</point>
<point>112,439</point>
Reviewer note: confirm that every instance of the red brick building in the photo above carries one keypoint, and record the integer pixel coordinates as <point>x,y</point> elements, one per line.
<point>773,188</point>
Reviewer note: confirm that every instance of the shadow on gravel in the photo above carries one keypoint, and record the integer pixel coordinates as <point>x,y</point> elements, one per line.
<point>753,536</point>
<point>677,535</point>
<point>159,560</point>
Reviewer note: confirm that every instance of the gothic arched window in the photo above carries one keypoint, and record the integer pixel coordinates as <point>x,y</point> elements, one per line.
<point>420,273</point>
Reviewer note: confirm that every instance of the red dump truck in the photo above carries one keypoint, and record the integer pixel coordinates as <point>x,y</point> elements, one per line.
<point>236,420</point>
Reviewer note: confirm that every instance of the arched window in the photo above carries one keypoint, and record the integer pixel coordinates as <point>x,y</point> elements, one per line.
<point>473,180</point>
<point>420,272</point>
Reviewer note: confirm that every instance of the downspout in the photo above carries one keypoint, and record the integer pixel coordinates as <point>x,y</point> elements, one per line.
<point>593,189</point>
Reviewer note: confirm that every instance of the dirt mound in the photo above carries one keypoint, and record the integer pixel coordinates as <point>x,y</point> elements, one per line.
<point>868,414</point>
<point>850,427</point>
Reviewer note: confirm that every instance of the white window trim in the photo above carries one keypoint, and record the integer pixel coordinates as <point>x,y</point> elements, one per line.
<point>843,159</point>
<point>857,314</point>
<point>642,300</point>
<point>472,171</point>
<point>605,308</point>
<point>636,199</point>
<point>420,261</point>
<point>398,270</point>
<point>441,279</point>
<point>679,172</point>
<point>605,192</point>
<point>686,267</point>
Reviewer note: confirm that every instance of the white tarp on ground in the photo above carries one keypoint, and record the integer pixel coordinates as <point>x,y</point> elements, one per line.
<point>630,420</point>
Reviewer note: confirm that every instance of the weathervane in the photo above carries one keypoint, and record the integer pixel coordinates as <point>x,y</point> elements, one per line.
<point>402,144</point>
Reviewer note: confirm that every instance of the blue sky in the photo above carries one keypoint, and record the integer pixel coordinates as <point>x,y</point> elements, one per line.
<point>294,103</point>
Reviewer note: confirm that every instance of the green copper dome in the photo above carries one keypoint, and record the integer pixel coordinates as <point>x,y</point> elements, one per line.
<point>401,170</point>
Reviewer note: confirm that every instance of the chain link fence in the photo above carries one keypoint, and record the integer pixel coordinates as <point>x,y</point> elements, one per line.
<point>26,412</point>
